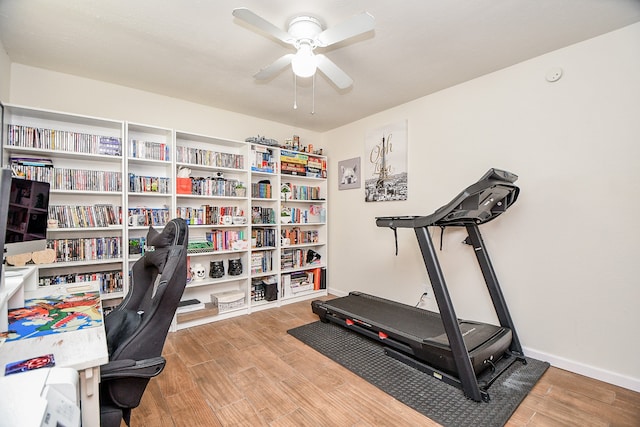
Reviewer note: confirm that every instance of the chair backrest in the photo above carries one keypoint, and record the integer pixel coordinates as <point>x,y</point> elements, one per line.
<point>138,327</point>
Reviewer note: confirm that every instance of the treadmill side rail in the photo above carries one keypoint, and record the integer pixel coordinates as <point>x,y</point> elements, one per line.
<point>448,314</point>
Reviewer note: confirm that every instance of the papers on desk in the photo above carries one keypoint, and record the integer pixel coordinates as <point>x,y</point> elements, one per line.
<point>43,398</point>
<point>53,314</point>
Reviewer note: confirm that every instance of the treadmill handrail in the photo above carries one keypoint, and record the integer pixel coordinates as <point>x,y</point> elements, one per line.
<point>480,202</point>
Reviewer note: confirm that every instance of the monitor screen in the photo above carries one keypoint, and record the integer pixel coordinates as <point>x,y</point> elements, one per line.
<point>26,221</point>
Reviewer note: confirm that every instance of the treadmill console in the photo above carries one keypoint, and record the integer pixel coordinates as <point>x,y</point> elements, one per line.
<point>480,202</point>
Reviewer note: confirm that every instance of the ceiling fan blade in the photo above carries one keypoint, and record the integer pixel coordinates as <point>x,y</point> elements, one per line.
<point>354,26</point>
<point>333,72</point>
<point>252,19</point>
<point>274,68</point>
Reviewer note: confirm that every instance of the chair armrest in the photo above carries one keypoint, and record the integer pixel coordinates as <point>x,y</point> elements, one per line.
<point>128,368</point>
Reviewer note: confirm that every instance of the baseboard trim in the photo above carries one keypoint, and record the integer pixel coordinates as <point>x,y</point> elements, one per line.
<point>586,370</point>
<point>337,292</point>
<point>566,364</point>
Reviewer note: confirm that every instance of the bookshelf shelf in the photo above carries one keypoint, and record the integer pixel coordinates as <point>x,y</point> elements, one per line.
<point>66,264</point>
<point>263,248</point>
<point>143,161</point>
<point>190,316</point>
<point>82,229</point>
<point>62,154</point>
<point>87,193</point>
<point>302,268</point>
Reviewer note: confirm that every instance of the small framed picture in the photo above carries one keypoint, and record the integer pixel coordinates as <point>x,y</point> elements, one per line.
<point>349,174</point>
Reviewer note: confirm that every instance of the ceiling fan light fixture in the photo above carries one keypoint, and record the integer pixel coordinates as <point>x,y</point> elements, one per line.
<point>304,62</point>
<point>306,33</point>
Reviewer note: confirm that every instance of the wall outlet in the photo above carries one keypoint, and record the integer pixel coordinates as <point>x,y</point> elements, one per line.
<point>426,290</point>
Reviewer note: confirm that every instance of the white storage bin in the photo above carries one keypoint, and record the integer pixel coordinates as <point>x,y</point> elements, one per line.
<point>229,300</point>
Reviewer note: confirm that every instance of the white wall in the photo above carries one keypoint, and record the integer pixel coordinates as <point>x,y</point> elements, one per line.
<point>39,88</point>
<point>567,254</point>
<point>5,74</point>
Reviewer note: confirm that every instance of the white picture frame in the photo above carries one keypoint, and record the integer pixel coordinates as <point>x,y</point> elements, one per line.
<point>349,174</point>
<point>386,159</point>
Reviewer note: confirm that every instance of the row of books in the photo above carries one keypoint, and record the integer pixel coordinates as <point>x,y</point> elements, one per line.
<point>303,281</point>
<point>293,169</point>
<point>312,215</point>
<point>261,262</point>
<point>148,150</point>
<point>263,215</point>
<point>300,192</point>
<point>261,190</point>
<point>295,163</point>
<point>200,157</point>
<point>144,216</point>
<point>262,159</point>
<point>295,258</point>
<point>30,161</point>
<point>149,184</point>
<point>225,240</point>
<point>215,187</point>
<point>72,179</point>
<point>110,281</point>
<point>296,236</point>
<point>209,215</point>
<point>86,249</point>
<point>73,216</point>
<point>60,140</point>
<point>263,237</point>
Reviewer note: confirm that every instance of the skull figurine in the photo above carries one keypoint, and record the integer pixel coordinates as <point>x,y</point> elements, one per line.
<point>198,272</point>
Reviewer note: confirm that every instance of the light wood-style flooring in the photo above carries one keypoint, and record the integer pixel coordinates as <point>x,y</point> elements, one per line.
<point>248,371</point>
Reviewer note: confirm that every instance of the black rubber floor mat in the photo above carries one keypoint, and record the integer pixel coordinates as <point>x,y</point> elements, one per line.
<point>440,402</point>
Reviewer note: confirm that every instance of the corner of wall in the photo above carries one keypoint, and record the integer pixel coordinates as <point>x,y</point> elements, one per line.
<point>5,74</point>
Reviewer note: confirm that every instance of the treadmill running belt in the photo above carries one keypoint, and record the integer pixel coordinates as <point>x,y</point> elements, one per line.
<point>421,330</point>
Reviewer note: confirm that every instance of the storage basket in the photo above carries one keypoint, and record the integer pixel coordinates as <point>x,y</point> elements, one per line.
<point>226,301</point>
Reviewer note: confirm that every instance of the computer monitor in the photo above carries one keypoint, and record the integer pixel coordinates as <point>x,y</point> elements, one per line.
<point>26,216</point>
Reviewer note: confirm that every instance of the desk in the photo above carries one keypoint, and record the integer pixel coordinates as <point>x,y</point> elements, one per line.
<point>84,350</point>
<point>13,284</point>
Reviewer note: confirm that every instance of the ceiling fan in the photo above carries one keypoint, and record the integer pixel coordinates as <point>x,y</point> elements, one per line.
<point>305,33</point>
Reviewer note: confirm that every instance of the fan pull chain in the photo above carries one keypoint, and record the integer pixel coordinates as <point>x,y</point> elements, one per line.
<point>295,92</point>
<point>313,95</point>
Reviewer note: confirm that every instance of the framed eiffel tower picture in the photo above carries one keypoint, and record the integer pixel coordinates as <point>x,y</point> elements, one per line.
<point>385,163</point>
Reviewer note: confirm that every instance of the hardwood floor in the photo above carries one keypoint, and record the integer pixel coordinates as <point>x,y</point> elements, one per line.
<point>248,371</point>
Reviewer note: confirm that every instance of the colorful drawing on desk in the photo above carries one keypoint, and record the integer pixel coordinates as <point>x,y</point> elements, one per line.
<point>52,314</point>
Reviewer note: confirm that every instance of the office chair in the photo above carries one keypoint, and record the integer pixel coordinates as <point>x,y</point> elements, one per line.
<point>137,328</point>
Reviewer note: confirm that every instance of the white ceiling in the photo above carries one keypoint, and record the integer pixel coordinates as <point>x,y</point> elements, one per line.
<point>197,51</point>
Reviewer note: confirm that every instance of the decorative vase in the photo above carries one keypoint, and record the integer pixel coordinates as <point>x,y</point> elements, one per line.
<point>235,267</point>
<point>216,269</point>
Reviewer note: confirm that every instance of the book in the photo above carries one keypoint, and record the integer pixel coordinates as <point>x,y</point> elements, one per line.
<point>186,306</point>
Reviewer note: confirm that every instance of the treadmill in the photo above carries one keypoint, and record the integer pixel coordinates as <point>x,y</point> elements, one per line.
<point>466,354</point>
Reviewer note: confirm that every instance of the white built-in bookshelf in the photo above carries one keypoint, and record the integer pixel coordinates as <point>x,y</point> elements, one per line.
<point>112,179</point>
